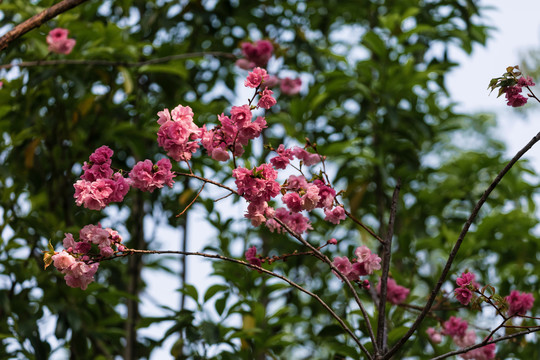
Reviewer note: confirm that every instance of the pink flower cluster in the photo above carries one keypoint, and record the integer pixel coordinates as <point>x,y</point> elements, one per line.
<point>98,185</point>
<point>147,177</point>
<point>177,132</point>
<point>463,337</point>
<point>59,42</point>
<point>467,285</point>
<point>256,77</point>
<point>286,155</point>
<point>364,263</point>
<point>78,259</point>
<point>255,54</point>
<point>395,294</point>
<point>251,256</point>
<point>519,303</point>
<point>294,221</point>
<point>233,133</point>
<point>513,93</point>
<point>289,86</point>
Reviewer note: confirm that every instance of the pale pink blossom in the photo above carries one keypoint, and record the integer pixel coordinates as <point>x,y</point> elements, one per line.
<point>68,241</point>
<point>79,274</point>
<point>241,115</point>
<point>290,86</point>
<point>258,184</point>
<point>293,201</point>
<point>434,335</point>
<point>335,215</point>
<point>307,157</point>
<point>326,193</point>
<point>283,159</point>
<point>62,260</point>
<point>311,197</point>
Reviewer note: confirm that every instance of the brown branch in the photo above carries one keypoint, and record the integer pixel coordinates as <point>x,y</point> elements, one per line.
<point>115,63</point>
<point>128,252</point>
<point>458,243</point>
<point>371,232</point>
<point>37,20</point>
<point>486,342</point>
<point>207,181</point>
<point>387,254</point>
<point>192,201</point>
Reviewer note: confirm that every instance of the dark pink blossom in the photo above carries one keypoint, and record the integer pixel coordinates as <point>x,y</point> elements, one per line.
<point>519,303</point>
<point>99,165</point>
<point>514,97</point>
<point>258,184</point>
<point>343,264</point>
<point>258,53</point>
<point>148,177</point>
<point>522,81</point>
<point>241,115</point>
<point>58,41</point>
<point>295,221</point>
<point>332,241</point>
<point>293,201</point>
<point>245,64</point>
<point>326,193</point>
<point>283,159</point>
<point>251,256</point>
<point>395,294</point>
<point>463,295</point>
<point>290,86</point>
<point>465,279</point>
<point>455,327</point>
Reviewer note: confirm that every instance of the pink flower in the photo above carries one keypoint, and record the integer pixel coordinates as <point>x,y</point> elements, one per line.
<point>251,256</point>
<point>308,158</point>
<point>463,295</point>
<point>63,260</point>
<point>293,201</point>
<point>59,42</point>
<point>295,221</point>
<point>284,157</point>
<point>455,327</point>
<point>483,353</point>
<point>99,166</point>
<point>258,53</point>
<point>258,212</point>
<point>241,115</point>
<point>395,294</point>
<point>514,97</point>
<point>332,241</point>
<point>343,264</point>
<point>97,194</point>
<point>256,78</point>
<point>326,193</point>
<point>335,215</point>
<point>245,64</point>
<point>258,184</point>
<point>465,279</point>
<point>434,335</point>
<point>271,81</point>
<point>80,274</point>
<point>266,101</point>
<point>175,135</point>
<point>68,241</point>
<point>296,183</point>
<point>519,303</point>
<point>526,81</point>
<point>468,339</point>
<point>148,177</point>
<point>290,86</point>
<point>311,197</point>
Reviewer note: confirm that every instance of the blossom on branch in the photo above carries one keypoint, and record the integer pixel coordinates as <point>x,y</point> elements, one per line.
<point>59,42</point>
<point>519,303</point>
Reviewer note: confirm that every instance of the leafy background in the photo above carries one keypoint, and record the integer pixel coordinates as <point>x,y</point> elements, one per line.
<point>377,104</point>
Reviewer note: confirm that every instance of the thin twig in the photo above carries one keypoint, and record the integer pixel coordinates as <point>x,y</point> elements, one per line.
<point>37,20</point>
<point>484,343</point>
<point>207,181</point>
<point>324,258</point>
<point>457,245</point>
<point>387,254</point>
<point>129,252</point>
<point>192,201</point>
<point>117,63</point>
<point>371,232</point>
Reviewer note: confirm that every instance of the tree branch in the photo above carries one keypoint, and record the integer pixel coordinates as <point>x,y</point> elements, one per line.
<point>116,63</point>
<point>37,20</point>
<point>387,254</point>
<point>128,252</point>
<point>457,245</point>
